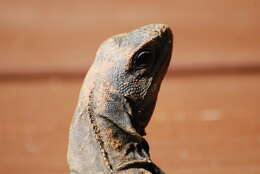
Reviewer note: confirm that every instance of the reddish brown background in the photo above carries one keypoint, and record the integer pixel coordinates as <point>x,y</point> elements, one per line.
<point>207,118</point>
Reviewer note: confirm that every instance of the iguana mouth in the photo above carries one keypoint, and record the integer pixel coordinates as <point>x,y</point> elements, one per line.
<point>164,49</point>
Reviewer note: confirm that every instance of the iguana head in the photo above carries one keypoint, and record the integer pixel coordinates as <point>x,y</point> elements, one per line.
<point>134,64</point>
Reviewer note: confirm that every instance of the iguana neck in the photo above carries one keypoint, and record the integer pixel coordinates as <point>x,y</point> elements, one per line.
<point>119,143</point>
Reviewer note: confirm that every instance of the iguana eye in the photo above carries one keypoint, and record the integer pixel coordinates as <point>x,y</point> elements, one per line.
<point>144,59</point>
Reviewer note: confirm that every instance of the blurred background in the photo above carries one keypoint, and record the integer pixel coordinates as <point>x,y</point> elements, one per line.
<point>207,116</point>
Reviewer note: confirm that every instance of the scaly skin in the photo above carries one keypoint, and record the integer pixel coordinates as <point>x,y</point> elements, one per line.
<point>116,102</point>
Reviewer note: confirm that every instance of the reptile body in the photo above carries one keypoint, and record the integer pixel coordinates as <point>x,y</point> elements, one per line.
<point>116,102</point>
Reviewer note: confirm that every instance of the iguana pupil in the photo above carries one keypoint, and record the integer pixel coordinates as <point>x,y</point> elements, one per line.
<point>144,58</point>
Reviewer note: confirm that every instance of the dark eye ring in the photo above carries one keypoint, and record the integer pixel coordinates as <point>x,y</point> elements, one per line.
<point>144,59</point>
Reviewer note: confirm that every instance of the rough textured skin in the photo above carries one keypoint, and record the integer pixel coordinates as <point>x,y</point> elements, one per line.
<point>116,102</point>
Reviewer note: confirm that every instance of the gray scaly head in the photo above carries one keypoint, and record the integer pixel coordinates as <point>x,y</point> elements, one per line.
<point>135,64</point>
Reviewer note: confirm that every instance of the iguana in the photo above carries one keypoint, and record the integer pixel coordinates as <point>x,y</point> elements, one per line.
<point>116,102</point>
